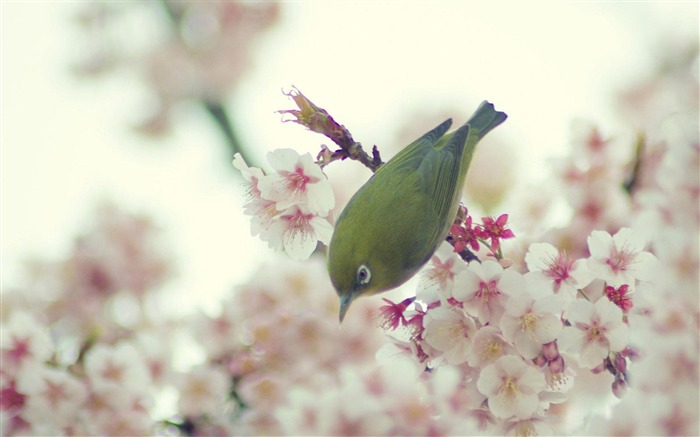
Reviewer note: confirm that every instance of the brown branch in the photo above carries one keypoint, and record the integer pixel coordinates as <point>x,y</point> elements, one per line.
<point>318,120</point>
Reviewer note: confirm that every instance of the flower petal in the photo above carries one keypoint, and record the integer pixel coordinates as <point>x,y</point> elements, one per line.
<point>599,244</point>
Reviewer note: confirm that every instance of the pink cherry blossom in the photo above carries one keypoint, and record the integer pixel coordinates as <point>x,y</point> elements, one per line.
<point>296,232</point>
<point>204,389</point>
<point>552,271</point>
<point>449,330</point>
<point>488,345</point>
<point>24,341</point>
<point>595,331</point>
<point>620,259</point>
<point>297,180</point>
<point>120,365</point>
<point>512,387</point>
<point>51,390</point>
<point>436,280</point>
<point>530,323</point>
<point>484,288</point>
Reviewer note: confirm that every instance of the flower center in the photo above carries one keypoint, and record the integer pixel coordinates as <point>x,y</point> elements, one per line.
<point>297,181</point>
<point>528,322</point>
<point>487,291</point>
<point>595,333</point>
<point>619,259</point>
<point>492,350</point>
<point>510,388</point>
<point>559,268</point>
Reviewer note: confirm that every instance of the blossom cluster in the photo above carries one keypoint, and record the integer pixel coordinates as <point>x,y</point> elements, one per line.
<point>290,206</point>
<point>512,335</point>
<point>219,373</point>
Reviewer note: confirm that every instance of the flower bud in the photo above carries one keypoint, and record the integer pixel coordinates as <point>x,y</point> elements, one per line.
<point>539,360</point>
<point>620,363</point>
<point>550,351</point>
<point>619,388</point>
<point>557,365</point>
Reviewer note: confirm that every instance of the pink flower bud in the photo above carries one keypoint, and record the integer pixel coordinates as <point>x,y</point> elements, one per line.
<point>539,360</point>
<point>550,351</point>
<point>620,363</point>
<point>619,388</point>
<point>557,365</point>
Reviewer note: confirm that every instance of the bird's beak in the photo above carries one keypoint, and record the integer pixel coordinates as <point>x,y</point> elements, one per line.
<point>345,302</point>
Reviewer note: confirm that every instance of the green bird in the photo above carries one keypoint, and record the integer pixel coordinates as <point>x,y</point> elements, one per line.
<point>394,223</point>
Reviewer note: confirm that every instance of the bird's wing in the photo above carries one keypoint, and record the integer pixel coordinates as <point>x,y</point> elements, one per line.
<point>412,155</point>
<point>440,173</point>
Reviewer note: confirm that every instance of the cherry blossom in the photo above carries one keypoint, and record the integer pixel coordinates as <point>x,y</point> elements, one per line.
<point>595,331</point>
<point>296,231</point>
<point>512,387</point>
<point>289,206</point>
<point>620,259</point>
<point>436,280</point>
<point>121,365</point>
<point>204,389</point>
<point>464,235</point>
<point>552,271</point>
<point>530,323</point>
<point>51,390</point>
<point>24,342</point>
<point>484,288</point>
<point>495,230</point>
<point>297,180</point>
<point>488,345</point>
<point>449,330</point>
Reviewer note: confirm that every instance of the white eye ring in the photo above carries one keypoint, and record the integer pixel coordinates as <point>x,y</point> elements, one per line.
<point>363,275</point>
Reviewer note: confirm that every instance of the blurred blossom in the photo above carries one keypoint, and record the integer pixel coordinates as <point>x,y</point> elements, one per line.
<point>589,328</point>
<point>202,54</point>
<point>24,343</point>
<point>203,390</point>
<point>117,258</point>
<point>120,365</point>
<point>51,390</point>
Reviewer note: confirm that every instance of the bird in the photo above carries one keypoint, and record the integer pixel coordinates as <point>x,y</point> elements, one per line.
<point>394,223</point>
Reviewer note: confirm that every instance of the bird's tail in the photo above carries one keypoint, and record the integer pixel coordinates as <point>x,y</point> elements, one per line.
<point>484,120</point>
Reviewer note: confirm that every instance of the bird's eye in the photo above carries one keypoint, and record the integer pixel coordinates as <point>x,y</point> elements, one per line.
<point>363,275</point>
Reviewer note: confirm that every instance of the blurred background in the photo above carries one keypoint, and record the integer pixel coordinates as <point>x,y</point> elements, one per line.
<point>124,244</point>
<point>112,101</point>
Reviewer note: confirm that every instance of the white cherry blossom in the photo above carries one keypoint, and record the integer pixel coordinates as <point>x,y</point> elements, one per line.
<point>204,389</point>
<point>551,271</point>
<point>512,387</point>
<point>436,281</point>
<point>296,232</point>
<point>488,345</point>
<point>23,341</point>
<point>620,259</point>
<point>297,180</point>
<point>120,365</point>
<point>595,331</point>
<point>530,323</point>
<point>484,288</point>
<point>449,330</point>
<point>51,390</point>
